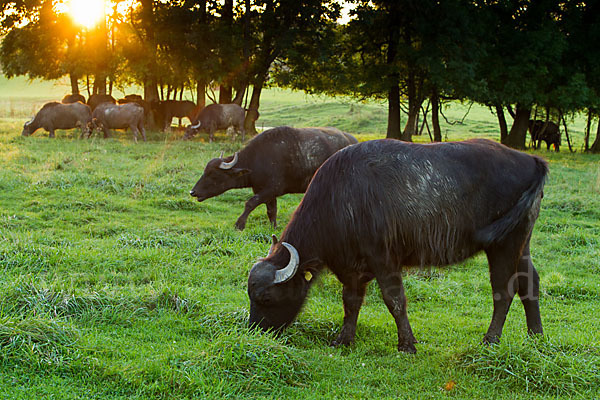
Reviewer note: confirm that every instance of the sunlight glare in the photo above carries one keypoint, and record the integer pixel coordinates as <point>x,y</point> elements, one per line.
<point>87,12</point>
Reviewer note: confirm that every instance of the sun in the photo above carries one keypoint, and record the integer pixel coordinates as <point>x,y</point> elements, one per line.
<point>87,13</point>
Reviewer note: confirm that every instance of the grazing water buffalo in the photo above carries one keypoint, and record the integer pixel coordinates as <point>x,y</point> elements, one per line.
<point>217,116</point>
<point>278,161</point>
<point>72,98</point>
<point>550,135</point>
<point>57,115</point>
<point>96,99</point>
<point>377,206</point>
<point>169,109</point>
<point>113,116</point>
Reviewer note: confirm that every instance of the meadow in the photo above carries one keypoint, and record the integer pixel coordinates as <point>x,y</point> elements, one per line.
<point>116,284</point>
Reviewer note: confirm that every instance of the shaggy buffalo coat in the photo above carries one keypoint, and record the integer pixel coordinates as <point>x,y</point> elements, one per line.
<point>377,206</point>
<point>56,115</point>
<point>278,161</point>
<point>218,117</point>
<point>114,116</point>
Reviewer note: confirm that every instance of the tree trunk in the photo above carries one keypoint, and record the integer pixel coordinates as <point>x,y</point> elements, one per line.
<point>150,80</point>
<point>74,83</point>
<point>200,94</point>
<point>242,86</point>
<point>414,106</point>
<point>226,91</point>
<point>99,85</point>
<point>239,95</point>
<point>225,94</point>
<point>435,117</point>
<point>596,146</point>
<point>252,113</point>
<point>588,128</point>
<point>502,123</point>
<point>393,127</point>
<point>518,131</point>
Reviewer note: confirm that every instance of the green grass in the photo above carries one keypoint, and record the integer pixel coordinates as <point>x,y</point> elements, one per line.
<point>114,284</point>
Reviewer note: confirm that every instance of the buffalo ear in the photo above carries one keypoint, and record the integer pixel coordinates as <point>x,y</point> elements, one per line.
<point>239,172</point>
<point>274,239</point>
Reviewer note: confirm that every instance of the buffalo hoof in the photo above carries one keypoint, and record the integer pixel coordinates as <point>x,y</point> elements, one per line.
<point>407,348</point>
<point>240,225</point>
<point>491,339</point>
<point>341,341</point>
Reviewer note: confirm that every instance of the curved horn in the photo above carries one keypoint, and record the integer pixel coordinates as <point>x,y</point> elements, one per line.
<point>196,126</point>
<point>230,164</point>
<point>284,275</point>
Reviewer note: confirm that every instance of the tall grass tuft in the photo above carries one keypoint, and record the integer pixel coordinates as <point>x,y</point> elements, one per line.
<point>36,341</point>
<point>537,366</point>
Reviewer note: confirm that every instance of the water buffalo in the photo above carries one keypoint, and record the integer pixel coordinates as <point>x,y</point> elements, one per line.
<point>113,116</point>
<point>215,117</point>
<point>168,109</point>
<point>96,99</point>
<point>278,161</point>
<point>380,205</point>
<point>72,98</point>
<point>139,100</point>
<point>57,115</point>
<point>550,135</point>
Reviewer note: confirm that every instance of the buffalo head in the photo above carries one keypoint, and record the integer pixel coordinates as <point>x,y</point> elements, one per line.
<point>27,128</point>
<point>191,130</point>
<point>276,294</point>
<point>219,176</point>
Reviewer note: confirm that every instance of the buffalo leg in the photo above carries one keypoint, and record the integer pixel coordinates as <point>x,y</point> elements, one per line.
<point>143,130</point>
<point>529,291</point>
<point>51,133</point>
<point>272,211</point>
<point>394,297</point>
<point>353,295</point>
<point>251,204</point>
<point>134,130</point>
<point>503,262</point>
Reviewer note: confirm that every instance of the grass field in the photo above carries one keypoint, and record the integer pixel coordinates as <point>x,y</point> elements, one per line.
<point>115,284</point>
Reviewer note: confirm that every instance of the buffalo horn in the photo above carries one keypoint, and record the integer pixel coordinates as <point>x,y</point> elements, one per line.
<point>196,126</point>
<point>284,275</point>
<point>229,165</point>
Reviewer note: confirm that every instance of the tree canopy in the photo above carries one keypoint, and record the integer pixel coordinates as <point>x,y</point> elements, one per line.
<point>514,56</point>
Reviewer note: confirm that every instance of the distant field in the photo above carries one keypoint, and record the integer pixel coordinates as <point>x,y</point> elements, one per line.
<point>115,284</point>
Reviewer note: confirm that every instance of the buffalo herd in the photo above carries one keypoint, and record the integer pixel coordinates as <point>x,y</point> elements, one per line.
<point>369,210</point>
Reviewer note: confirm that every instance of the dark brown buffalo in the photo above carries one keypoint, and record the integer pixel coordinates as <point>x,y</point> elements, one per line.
<point>72,98</point>
<point>57,115</point>
<point>96,99</point>
<point>549,133</point>
<point>165,111</point>
<point>278,161</point>
<point>380,205</point>
<point>113,116</point>
<point>218,117</point>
